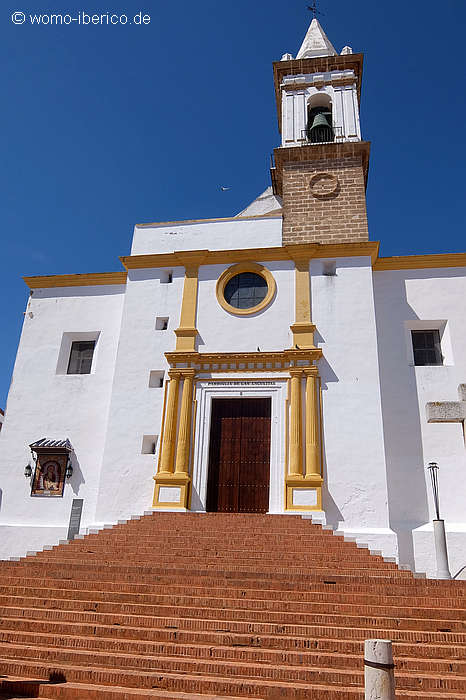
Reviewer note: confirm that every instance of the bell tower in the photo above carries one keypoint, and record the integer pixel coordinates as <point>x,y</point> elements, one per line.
<point>320,169</point>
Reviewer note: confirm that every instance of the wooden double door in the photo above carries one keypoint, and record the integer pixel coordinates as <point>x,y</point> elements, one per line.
<point>239,456</point>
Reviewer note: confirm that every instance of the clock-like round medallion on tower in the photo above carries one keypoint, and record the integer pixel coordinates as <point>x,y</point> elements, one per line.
<point>245,289</point>
<point>324,185</point>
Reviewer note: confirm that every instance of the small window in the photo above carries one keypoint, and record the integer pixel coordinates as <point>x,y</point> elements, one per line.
<point>156,378</point>
<point>81,356</point>
<point>426,347</point>
<point>166,277</point>
<point>161,323</point>
<point>329,268</point>
<point>149,444</point>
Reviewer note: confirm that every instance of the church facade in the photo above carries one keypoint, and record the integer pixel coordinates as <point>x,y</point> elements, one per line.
<point>269,362</point>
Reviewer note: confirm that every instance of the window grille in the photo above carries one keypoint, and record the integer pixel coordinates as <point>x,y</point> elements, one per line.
<point>81,357</point>
<point>246,290</point>
<point>426,347</point>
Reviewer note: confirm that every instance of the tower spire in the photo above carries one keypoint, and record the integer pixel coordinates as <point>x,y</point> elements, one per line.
<point>316,43</point>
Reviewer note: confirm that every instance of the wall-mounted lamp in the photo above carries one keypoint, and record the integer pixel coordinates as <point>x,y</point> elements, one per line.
<point>69,470</point>
<point>28,471</point>
<point>440,539</point>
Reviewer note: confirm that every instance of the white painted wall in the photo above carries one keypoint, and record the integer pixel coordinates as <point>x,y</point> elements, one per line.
<point>42,403</point>
<point>410,299</point>
<point>127,485</point>
<point>355,492</point>
<point>232,234</point>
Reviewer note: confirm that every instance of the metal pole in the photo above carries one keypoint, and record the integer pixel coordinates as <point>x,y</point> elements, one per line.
<point>379,673</point>
<point>440,539</point>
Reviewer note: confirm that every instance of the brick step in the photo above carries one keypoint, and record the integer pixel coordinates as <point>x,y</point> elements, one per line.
<point>295,565</point>
<point>231,541</point>
<point>34,568</point>
<point>126,664</point>
<point>172,681</point>
<point>135,669</point>
<point>133,612</point>
<point>243,686</point>
<point>193,631</point>
<point>227,564</point>
<point>266,543</point>
<point>299,592</point>
<point>90,651</point>
<point>239,588</point>
<point>213,553</point>
<point>44,689</point>
<point>213,530</point>
<point>143,603</point>
<point>365,561</point>
<point>81,691</point>
<point>197,643</point>
<point>143,542</point>
<point>193,617</point>
<point>308,541</point>
<point>290,602</point>
<point>214,578</point>
<point>234,578</point>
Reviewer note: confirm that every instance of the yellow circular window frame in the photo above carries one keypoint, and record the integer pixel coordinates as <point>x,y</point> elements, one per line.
<point>231,272</point>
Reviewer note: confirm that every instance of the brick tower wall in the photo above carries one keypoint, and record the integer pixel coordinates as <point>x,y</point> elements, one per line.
<point>324,201</point>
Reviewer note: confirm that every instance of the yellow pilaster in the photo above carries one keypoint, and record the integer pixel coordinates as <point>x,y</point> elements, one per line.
<point>304,491</point>
<point>312,427</point>
<point>184,431</point>
<point>187,331</point>
<point>296,449</point>
<point>302,329</point>
<point>171,416</point>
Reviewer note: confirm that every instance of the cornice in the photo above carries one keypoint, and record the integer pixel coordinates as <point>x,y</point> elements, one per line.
<point>322,64</point>
<point>296,253</point>
<point>420,262</point>
<point>226,362</point>
<point>271,215</point>
<point>214,257</point>
<point>81,280</point>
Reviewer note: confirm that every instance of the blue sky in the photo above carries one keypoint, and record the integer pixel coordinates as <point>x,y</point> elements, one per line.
<point>108,126</point>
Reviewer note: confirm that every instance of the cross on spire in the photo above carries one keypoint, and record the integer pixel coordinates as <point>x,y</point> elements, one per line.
<point>313,8</point>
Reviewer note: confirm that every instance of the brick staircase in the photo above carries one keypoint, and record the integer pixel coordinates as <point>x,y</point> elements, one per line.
<point>221,606</point>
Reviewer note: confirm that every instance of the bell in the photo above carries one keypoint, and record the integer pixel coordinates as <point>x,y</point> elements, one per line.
<point>320,120</point>
<point>320,131</point>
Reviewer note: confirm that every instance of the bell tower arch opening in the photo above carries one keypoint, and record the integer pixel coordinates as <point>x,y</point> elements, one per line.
<point>319,127</point>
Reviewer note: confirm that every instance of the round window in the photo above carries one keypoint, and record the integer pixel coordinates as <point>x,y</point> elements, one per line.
<point>246,290</point>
